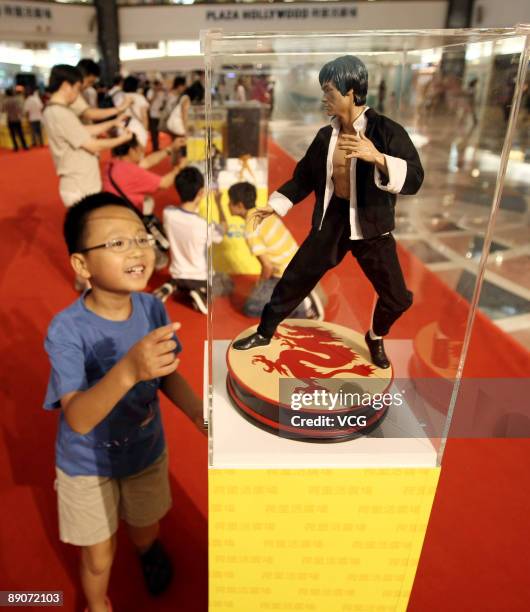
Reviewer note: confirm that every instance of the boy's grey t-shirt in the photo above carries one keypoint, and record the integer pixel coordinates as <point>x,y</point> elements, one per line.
<point>82,348</point>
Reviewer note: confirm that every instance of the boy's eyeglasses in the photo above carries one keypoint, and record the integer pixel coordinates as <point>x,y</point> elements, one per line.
<point>120,245</point>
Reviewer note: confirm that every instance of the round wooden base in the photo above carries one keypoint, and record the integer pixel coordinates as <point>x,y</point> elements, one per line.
<point>314,382</point>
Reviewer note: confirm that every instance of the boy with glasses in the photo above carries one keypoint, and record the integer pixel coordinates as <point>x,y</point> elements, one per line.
<point>110,352</point>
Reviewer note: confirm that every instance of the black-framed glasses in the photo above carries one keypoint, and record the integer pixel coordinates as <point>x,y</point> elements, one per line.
<point>120,245</point>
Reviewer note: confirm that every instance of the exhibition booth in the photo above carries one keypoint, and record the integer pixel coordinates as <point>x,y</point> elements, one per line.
<point>273,445</point>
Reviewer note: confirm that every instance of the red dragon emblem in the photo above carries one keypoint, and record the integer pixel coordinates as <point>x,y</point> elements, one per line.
<point>309,349</point>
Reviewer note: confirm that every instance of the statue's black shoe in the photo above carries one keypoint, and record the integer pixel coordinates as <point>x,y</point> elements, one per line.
<point>377,352</point>
<point>251,342</point>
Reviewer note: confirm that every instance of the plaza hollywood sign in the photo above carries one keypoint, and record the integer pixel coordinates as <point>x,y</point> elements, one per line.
<point>273,14</point>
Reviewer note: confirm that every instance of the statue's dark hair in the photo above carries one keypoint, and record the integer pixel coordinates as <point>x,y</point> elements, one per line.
<point>347,72</point>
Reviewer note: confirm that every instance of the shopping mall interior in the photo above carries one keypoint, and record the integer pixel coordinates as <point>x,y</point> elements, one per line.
<point>455,74</point>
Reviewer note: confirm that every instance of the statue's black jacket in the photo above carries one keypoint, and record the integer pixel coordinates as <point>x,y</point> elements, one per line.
<point>375,207</point>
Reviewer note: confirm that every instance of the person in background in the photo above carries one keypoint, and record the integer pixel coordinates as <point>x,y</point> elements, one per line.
<point>381,96</point>
<point>241,92</point>
<point>174,119</point>
<point>89,74</point>
<point>259,90</point>
<point>145,87</point>
<point>187,234</point>
<point>104,101</point>
<point>128,173</point>
<point>270,91</point>
<point>33,110</point>
<point>274,246</point>
<point>128,176</point>
<point>14,111</point>
<point>220,93</point>
<point>471,93</point>
<point>116,92</point>
<point>196,90</point>
<point>156,97</point>
<point>138,109</point>
<point>74,146</point>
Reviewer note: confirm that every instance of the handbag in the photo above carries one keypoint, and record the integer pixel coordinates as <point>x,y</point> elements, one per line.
<point>169,106</point>
<point>174,122</point>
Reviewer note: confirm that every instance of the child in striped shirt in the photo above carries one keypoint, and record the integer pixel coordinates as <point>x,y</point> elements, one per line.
<point>274,246</point>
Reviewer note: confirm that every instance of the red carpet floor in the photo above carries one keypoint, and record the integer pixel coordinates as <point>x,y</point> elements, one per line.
<point>474,556</point>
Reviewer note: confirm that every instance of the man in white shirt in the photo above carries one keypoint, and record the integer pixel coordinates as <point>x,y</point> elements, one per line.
<point>91,72</point>
<point>138,110</point>
<point>33,111</point>
<point>157,98</point>
<point>116,92</point>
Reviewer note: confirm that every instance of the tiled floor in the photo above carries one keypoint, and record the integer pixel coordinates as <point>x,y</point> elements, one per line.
<point>447,224</point>
<point>516,269</point>
<point>422,250</point>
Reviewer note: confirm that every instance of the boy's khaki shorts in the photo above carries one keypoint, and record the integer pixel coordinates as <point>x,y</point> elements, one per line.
<point>90,506</point>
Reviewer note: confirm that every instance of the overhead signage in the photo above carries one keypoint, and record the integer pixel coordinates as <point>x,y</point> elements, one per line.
<point>25,12</point>
<point>268,14</point>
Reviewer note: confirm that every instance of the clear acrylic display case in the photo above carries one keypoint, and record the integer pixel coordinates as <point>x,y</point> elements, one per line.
<point>462,96</point>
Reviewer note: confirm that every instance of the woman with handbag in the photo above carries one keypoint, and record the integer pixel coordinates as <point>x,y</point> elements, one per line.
<point>174,120</point>
<point>138,111</point>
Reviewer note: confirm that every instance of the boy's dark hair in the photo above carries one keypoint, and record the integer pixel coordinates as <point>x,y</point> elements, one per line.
<point>125,147</point>
<point>244,193</point>
<point>77,216</point>
<point>346,72</point>
<point>117,79</point>
<point>130,84</point>
<point>178,81</point>
<point>188,183</point>
<point>88,67</point>
<point>61,73</point>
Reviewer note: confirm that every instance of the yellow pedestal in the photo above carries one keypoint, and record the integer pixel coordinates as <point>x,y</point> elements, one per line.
<point>316,540</point>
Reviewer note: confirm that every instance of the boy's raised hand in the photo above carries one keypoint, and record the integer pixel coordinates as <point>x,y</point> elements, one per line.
<point>153,356</point>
